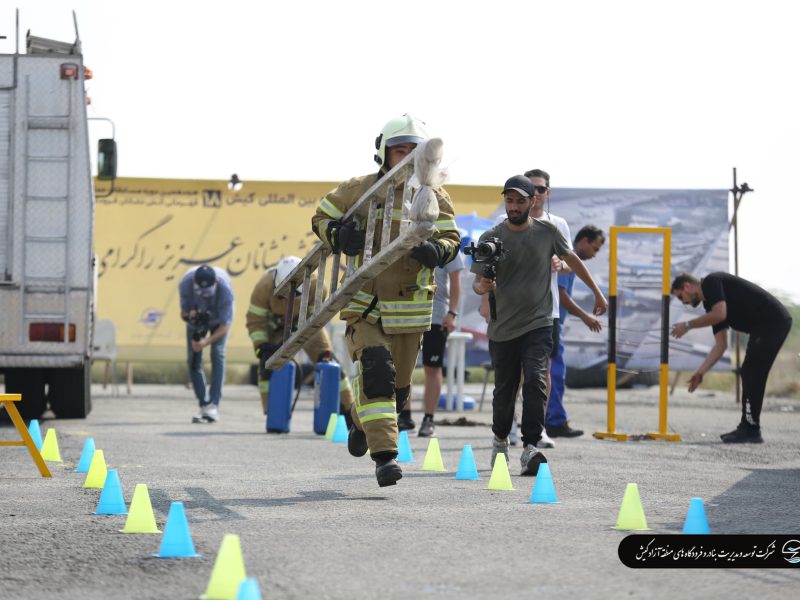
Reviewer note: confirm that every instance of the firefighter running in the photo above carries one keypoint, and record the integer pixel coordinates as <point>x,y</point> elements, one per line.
<point>386,318</point>
<point>265,320</point>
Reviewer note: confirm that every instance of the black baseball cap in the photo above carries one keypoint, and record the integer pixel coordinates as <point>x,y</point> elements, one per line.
<point>205,276</point>
<point>521,184</point>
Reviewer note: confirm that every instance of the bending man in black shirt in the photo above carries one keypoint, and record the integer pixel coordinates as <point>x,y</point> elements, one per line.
<point>734,302</point>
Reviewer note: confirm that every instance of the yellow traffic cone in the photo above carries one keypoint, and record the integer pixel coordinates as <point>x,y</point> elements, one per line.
<point>50,451</point>
<point>228,571</point>
<point>433,457</point>
<point>331,426</point>
<point>631,514</point>
<point>96,477</point>
<point>140,514</point>
<point>501,478</point>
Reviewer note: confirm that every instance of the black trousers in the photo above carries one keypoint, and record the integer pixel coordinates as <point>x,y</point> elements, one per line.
<point>762,348</point>
<point>526,355</point>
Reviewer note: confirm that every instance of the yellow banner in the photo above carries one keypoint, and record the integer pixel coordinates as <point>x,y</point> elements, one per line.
<point>148,232</point>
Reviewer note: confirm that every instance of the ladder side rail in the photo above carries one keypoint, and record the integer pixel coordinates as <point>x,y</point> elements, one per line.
<point>25,101</point>
<point>68,187</point>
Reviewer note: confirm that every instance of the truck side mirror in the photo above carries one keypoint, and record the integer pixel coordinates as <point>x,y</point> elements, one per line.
<point>106,159</point>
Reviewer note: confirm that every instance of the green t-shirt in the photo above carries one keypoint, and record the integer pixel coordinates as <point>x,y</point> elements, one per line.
<point>523,297</point>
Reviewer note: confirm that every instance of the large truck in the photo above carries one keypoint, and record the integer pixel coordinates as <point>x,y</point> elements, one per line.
<point>46,227</point>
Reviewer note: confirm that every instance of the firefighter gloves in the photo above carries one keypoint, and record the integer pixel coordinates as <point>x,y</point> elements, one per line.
<point>345,237</point>
<point>428,253</point>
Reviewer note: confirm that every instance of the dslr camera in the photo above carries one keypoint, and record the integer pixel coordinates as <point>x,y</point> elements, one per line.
<point>489,252</point>
<point>200,322</point>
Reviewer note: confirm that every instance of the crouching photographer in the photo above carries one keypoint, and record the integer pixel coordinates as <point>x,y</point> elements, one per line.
<point>206,296</point>
<point>512,263</point>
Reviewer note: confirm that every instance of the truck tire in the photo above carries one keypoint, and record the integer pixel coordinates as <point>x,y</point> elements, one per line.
<point>69,392</point>
<point>29,383</point>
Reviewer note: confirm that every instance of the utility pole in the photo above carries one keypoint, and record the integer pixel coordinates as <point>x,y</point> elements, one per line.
<point>738,191</point>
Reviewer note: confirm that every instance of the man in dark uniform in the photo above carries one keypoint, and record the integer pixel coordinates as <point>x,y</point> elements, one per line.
<point>734,302</point>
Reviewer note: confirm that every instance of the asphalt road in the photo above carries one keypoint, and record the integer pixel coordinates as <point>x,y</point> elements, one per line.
<point>314,524</point>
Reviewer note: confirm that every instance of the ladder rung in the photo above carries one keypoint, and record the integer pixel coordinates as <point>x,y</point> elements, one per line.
<point>46,198</point>
<point>48,316</point>
<point>56,239</point>
<point>48,122</point>
<point>49,159</point>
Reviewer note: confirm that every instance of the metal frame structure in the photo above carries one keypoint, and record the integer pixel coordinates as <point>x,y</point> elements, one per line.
<point>663,378</point>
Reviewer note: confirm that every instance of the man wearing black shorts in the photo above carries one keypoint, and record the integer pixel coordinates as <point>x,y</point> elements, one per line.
<point>734,302</point>
<point>445,312</point>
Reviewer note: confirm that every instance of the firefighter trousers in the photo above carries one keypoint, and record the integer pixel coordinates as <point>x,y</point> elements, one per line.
<point>385,364</point>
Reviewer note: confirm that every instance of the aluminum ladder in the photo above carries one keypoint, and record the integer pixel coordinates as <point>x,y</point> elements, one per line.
<point>419,212</point>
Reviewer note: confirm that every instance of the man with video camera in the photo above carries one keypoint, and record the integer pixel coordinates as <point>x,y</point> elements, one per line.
<point>206,296</point>
<point>512,263</point>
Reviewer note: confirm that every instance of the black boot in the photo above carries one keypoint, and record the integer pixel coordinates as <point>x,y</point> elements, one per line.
<point>387,471</point>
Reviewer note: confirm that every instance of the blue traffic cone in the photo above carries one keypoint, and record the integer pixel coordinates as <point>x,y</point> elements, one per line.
<point>176,541</point>
<point>466,466</point>
<point>404,454</point>
<point>36,433</point>
<point>696,522</point>
<point>249,590</point>
<point>111,499</point>
<point>86,456</point>
<point>543,490</point>
<point>340,433</point>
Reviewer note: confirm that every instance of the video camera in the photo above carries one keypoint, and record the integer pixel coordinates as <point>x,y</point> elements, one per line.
<point>200,322</point>
<point>489,252</point>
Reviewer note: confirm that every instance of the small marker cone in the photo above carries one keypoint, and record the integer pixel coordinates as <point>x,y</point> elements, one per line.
<point>501,478</point>
<point>696,522</point>
<point>433,457</point>
<point>140,516</point>
<point>631,514</point>
<point>36,433</point>
<point>50,451</point>
<point>544,492</point>
<point>467,469</point>
<point>340,433</point>
<point>111,500</point>
<point>228,572</point>
<point>249,590</point>
<point>96,477</point>
<point>404,453</point>
<point>332,421</point>
<point>86,456</point>
<point>176,541</point>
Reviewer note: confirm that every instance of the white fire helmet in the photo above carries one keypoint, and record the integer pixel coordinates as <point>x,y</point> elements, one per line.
<point>401,130</point>
<point>285,266</point>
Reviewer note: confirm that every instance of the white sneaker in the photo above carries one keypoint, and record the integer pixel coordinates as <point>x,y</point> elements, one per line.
<point>498,447</point>
<point>545,442</point>
<point>209,413</point>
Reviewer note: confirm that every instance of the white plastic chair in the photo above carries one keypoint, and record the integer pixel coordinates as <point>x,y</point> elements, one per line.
<point>104,347</point>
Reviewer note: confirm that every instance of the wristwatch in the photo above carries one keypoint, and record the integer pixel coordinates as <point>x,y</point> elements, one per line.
<point>687,324</point>
<point>451,312</point>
